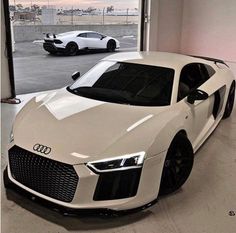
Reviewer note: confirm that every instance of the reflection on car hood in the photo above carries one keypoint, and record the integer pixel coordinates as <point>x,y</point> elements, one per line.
<point>79,129</point>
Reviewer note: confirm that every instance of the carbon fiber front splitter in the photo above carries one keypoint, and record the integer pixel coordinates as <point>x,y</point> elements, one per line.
<point>70,211</point>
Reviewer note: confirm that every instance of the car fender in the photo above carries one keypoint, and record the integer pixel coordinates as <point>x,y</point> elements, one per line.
<point>73,41</point>
<point>110,38</point>
<point>153,136</point>
<point>65,42</point>
<point>81,42</point>
<point>166,133</point>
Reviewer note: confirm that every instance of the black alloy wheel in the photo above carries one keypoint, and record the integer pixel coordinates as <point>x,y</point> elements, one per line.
<point>177,166</point>
<point>111,45</point>
<point>71,49</point>
<point>230,101</point>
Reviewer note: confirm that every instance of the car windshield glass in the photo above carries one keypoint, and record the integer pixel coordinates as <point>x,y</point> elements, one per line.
<point>126,83</point>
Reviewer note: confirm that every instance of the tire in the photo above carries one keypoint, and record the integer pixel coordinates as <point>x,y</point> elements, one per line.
<point>230,101</point>
<point>177,166</point>
<point>72,49</point>
<point>52,53</point>
<point>111,46</point>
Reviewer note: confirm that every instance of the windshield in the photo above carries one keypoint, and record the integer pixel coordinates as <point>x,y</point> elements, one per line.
<point>126,83</point>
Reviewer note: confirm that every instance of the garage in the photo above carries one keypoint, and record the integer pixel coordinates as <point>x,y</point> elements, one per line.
<point>90,151</point>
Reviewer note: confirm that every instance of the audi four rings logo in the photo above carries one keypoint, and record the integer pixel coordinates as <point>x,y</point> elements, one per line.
<point>42,149</point>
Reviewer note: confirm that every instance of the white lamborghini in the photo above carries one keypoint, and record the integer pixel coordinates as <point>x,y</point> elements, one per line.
<point>122,134</point>
<point>70,43</point>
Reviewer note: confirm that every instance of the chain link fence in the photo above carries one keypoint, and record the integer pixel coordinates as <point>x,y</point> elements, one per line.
<point>52,15</point>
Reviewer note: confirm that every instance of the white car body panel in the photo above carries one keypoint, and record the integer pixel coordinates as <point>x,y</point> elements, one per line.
<point>83,198</point>
<point>47,118</point>
<point>83,43</point>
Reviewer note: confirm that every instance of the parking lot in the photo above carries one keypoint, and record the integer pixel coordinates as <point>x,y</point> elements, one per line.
<point>35,70</point>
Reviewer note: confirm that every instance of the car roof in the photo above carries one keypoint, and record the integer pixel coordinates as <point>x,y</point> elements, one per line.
<point>77,32</point>
<point>84,31</point>
<point>163,59</point>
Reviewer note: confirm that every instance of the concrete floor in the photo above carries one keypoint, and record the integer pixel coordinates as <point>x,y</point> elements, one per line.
<point>36,70</point>
<point>201,206</point>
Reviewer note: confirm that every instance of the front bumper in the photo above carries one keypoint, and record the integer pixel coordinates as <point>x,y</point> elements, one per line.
<point>70,211</point>
<point>84,194</point>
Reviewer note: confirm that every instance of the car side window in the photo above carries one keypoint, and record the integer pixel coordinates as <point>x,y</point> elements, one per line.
<point>94,35</point>
<point>192,76</point>
<point>207,71</point>
<point>83,35</point>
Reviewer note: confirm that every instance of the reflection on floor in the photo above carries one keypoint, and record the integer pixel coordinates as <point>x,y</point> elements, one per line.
<point>202,205</point>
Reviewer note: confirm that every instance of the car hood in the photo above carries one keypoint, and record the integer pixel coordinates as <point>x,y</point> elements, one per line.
<point>79,129</point>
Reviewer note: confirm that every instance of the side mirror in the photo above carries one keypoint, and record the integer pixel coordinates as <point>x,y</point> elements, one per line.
<point>196,95</point>
<point>75,75</point>
<point>102,37</point>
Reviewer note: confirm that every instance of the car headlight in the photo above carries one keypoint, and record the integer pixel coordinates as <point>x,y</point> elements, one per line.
<point>11,136</point>
<point>124,162</point>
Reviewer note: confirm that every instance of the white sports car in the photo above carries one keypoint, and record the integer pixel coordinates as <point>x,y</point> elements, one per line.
<point>122,134</point>
<point>71,42</point>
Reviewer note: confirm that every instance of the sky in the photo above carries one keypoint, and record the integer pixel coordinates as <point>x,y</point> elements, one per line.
<point>118,4</point>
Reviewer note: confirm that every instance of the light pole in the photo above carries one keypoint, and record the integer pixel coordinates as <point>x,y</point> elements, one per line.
<point>127,13</point>
<point>103,12</point>
<point>72,15</point>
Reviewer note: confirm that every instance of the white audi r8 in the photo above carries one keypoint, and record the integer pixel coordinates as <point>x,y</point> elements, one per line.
<point>71,42</point>
<point>122,134</point>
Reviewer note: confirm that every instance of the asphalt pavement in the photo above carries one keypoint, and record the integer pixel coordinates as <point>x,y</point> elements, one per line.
<point>35,70</point>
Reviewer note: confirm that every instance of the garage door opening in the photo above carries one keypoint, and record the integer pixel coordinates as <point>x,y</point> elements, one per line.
<point>98,24</point>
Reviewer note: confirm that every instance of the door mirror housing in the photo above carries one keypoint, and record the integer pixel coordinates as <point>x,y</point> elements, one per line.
<point>75,75</point>
<point>102,37</point>
<point>197,95</point>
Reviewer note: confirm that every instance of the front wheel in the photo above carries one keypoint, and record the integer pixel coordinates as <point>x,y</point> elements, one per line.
<point>111,45</point>
<point>177,166</point>
<point>230,101</point>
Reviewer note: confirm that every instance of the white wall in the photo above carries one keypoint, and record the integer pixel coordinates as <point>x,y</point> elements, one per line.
<point>209,28</point>
<point>165,25</point>
<point>5,81</point>
<point>232,66</point>
<point>198,27</point>
<point>169,25</point>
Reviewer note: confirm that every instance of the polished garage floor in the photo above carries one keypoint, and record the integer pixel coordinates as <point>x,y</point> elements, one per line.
<point>203,205</point>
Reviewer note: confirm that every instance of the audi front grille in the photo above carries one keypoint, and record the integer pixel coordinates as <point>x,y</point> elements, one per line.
<point>49,177</point>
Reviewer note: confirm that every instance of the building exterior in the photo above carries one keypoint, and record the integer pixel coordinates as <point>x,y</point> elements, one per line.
<point>49,15</point>
<point>30,16</point>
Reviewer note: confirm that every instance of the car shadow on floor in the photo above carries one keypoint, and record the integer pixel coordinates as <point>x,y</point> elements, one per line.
<point>81,221</point>
<point>96,222</point>
<point>84,52</point>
